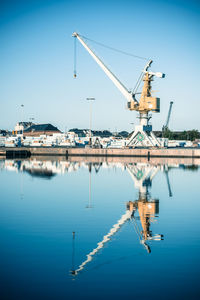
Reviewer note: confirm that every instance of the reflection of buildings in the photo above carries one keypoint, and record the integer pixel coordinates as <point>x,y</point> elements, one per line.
<point>54,165</point>
<point>39,167</point>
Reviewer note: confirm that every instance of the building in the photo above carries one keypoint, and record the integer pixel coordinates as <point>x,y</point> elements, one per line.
<point>21,126</point>
<point>41,129</point>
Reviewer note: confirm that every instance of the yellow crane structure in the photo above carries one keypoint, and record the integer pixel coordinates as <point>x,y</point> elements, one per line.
<point>143,135</point>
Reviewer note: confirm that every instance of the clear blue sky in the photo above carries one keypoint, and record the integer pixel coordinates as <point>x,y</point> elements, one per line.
<point>36,59</point>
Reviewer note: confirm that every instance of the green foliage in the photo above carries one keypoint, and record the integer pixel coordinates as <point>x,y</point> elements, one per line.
<point>168,134</point>
<point>189,135</point>
<point>193,134</point>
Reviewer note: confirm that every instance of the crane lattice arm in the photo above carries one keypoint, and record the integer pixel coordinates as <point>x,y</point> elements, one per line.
<point>127,94</point>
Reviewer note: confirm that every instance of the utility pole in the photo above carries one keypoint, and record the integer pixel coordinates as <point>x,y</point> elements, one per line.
<point>91,99</point>
<point>22,106</point>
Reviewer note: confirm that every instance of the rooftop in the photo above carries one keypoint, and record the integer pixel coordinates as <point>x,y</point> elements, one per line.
<point>41,127</point>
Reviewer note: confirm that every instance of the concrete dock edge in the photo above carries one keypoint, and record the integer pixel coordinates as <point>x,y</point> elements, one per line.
<point>67,152</point>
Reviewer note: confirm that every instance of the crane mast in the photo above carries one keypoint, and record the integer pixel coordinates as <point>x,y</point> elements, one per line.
<point>143,135</point>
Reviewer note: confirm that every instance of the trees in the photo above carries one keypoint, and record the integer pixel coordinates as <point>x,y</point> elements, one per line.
<point>189,135</point>
<point>193,134</point>
<point>168,134</point>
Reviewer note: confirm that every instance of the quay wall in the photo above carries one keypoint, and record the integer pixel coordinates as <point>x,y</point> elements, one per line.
<point>173,152</point>
<point>88,152</point>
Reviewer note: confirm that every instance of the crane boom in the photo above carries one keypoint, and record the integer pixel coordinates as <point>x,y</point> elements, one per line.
<point>127,94</point>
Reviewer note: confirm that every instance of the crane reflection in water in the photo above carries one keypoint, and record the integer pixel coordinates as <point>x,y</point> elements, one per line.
<point>146,207</point>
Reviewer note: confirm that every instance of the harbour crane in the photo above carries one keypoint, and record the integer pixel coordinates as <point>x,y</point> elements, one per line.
<point>143,135</point>
<point>168,117</point>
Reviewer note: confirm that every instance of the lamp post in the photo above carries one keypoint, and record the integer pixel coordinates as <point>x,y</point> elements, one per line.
<point>90,137</point>
<point>22,106</point>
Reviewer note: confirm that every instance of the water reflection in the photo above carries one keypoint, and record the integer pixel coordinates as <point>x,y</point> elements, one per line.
<point>140,213</point>
<point>139,169</point>
<point>147,207</point>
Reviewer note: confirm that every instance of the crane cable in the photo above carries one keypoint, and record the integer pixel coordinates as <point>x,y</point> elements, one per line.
<point>137,84</point>
<point>114,49</point>
<point>74,57</point>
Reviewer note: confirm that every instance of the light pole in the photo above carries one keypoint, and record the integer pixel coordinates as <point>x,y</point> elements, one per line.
<point>90,137</point>
<point>22,106</point>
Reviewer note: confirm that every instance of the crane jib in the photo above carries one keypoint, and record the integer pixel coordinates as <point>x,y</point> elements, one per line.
<point>147,102</point>
<point>127,94</point>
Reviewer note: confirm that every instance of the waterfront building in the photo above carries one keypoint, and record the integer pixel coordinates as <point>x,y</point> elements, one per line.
<point>41,129</point>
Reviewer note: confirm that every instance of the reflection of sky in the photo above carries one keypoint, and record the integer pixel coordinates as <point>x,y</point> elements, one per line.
<point>37,60</point>
<point>37,218</point>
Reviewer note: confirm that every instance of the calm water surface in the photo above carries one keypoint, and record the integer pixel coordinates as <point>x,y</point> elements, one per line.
<point>99,230</point>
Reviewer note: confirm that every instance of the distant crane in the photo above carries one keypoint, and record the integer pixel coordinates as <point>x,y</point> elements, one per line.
<point>143,135</point>
<point>165,127</point>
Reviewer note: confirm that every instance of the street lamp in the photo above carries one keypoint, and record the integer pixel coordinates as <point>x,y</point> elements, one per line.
<point>22,106</point>
<point>90,137</point>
